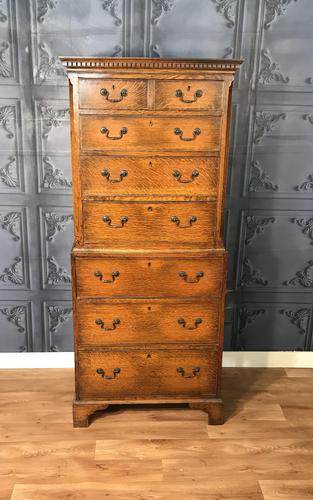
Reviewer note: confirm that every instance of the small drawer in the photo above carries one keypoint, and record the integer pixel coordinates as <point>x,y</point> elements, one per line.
<point>143,277</point>
<point>147,373</point>
<point>130,223</point>
<point>188,94</point>
<point>154,322</point>
<point>130,134</point>
<point>149,176</point>
<point>112,94</point>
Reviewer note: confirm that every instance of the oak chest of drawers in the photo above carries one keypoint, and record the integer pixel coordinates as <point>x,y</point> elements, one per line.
<point>149,153</point>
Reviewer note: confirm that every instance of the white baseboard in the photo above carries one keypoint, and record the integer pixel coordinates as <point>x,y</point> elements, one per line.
<point>230,359</point>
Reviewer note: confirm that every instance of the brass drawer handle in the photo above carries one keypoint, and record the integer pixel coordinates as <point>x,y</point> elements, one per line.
<point>182,322</point>
<point>115,322</point>
<point>178,131</point>
<point>106,131</point>
<point>179,93</point>
<point>176,221</point>
<point>115,274</point>
<point>108,221</point>
<point>194,372</point>
<point>101,372</point>
<point>105,93</point>
<point>197,278</point>
<point>107,175</point>
<point>177,175</point>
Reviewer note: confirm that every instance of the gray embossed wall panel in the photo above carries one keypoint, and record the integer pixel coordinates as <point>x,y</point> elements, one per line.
<point>269,212</point>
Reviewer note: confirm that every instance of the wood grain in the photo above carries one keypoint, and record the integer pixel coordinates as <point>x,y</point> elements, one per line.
<point>149,133</point>
<point>153,322</point>
<point>154,451</point>
<point>148,176</point>
<point>178,223</point>
<point>147,373</point>
<point>149,149</point>
<point>90,95</point>
<point>210,96</point>
<point>150,277</point>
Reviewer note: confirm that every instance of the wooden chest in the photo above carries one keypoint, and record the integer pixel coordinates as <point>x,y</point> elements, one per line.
<point>149,154</point>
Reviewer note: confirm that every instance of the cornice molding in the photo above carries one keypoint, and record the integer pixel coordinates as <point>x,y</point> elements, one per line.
<point>96,63</point>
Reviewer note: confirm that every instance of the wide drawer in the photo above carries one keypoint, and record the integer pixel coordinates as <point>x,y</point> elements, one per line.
<point>112,94</point>
<point>102,175</point>
<point>143,277</point>
<point>188,94</point>
<point>129,134</point>
<point>147,373</point>
<point>130,223</point>
<point>144,322</point>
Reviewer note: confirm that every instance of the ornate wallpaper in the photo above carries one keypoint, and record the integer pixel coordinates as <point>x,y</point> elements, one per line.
<point>269,212</point>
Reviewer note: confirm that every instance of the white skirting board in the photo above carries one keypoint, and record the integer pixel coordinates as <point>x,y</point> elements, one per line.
<point>230,359</point>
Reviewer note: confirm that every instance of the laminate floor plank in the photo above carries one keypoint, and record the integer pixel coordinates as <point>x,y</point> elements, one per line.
<point>264,451</point>
<point>287,490</point>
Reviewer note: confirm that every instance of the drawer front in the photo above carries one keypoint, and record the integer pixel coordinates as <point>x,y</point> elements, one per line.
<point>189,223</point>
<point>147,373</point>
<point>112,94</point>
<point>152,176</point>
<point>102,323</point>
<point>188,94</point>
<point>142,277</point>
<point>127,133</point>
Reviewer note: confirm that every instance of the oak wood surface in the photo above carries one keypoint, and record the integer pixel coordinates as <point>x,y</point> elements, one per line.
<point>157,452</point>
<point>129,223</point>
<point>149,133</point>
<point>150,277</point>
<point>149,153</point>
<point>100,175</point>
<point>210,96</point>
<point>91,94</point>
<point>155,322</point>
<point>147,373</point>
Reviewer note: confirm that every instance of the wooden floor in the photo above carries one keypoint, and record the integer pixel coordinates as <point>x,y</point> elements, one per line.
<point>263,451</point>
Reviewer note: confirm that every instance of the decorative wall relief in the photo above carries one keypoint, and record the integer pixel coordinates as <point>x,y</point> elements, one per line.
<point>53,177</point>
<point>270,70</point>
<point>57,316</point>
<point>306,225</point>
<point>111,6</point>
<point>274,9</point>
<point>247,317</point>
<point>43,6</point>
<point>56,274</point>
<point>303,277</point>
<point>14,273</point>
<point>51,118</point>
<point>159,7</point>
<point>228,9</point>
<point>7,116</point>
<point>8,173</point>
<point>298,318</point>
<point>16,315</point>
<point>11,222</point>
<point>265,123</point>
<point>5,68</point>
<point>3,13</point>
<point>307,185</point>
<point>308,117</point>
<point>255,225</point>
<point>251,276</point>
<point>49,65</point>
<point>259,180</point>
<point>54,223</point>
